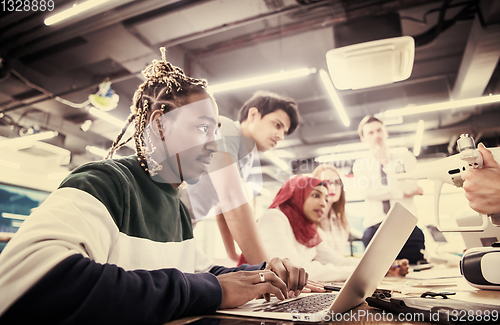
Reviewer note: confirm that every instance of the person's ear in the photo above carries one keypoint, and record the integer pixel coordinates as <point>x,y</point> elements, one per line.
<point>253,114</point>
<point>386,134</point>
<point>156,126</point>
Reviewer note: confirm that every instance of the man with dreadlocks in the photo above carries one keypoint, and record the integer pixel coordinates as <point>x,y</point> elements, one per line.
<point>114,244</point>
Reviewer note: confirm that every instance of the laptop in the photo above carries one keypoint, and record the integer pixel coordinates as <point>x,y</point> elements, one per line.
<point>373,265</point>
<point>484,238</point>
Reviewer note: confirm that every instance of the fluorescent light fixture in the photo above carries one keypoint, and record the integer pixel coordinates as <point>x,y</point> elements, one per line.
<point>338,157</point>
<point>335,97</point>
<point>390,120</point>
<point>27,140</point>
<point>443,106</point>
<point>100,152</point>
<point>341,148</point>
<point>418,138</point>
<point>283,75</point>
<point>353,155</point>
<point>16,223</point>
<point>113,120</point>
<point>75,10</point>
<point>277,161</point>
<point>105,116</point>
<point>14,216</point>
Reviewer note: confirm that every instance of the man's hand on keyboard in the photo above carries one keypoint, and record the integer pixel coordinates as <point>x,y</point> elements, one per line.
<point>294,277</point>
<point>240,287</point>
<point>281,278</point>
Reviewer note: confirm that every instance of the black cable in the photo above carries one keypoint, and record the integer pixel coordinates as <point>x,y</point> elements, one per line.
<point>26,112</point>
<point>307,2</point>
<point>442,13</point>
<point>448,7</point>
<point>443,25</point>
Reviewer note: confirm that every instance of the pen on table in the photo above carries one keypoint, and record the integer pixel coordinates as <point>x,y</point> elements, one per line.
<point>332,288</point>
<point>337,288</point>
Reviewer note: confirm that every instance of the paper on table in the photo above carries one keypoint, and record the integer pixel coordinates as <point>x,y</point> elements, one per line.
<point>435,274</point>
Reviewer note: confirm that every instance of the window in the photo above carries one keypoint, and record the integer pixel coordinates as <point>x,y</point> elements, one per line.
<point>16,204</point>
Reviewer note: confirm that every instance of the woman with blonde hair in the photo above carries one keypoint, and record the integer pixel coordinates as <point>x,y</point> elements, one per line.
<point>334,222</point>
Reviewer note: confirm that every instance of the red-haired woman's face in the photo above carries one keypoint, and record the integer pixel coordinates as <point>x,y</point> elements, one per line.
<point>315,204</point>
<point>334,185</point>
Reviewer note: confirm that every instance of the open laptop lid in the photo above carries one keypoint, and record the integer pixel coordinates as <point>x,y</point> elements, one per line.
<point>484,238</point>
<point>374,264</point>
<point>377,258</point>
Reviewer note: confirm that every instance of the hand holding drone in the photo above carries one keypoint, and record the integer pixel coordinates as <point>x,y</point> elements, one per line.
<point>480,265</point>
<point>450,170</point>
<point>482,186</point>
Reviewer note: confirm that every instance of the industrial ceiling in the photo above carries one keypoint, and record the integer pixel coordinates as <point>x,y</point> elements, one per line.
<point>48,72</point>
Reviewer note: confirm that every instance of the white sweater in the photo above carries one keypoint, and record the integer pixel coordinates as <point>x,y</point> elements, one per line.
<point>322,262</point>
<point>334,235</point>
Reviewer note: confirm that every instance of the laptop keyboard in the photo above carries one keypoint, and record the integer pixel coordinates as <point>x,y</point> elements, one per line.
<point>309,304</point>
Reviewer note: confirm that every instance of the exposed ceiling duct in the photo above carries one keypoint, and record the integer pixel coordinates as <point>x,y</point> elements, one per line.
<point>224,40</point>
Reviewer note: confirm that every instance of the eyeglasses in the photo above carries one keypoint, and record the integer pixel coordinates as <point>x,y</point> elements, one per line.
<point>337,183</point>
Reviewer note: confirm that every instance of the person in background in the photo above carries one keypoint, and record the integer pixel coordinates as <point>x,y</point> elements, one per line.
<point>289,229</point>
<point>334,222</point>
<point>263,121</point>
<point>482,186</point>
<point>374,175</point>
<point>114,244</point>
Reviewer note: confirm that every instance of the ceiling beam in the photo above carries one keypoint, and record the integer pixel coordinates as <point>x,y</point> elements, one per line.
<point>479,61</point>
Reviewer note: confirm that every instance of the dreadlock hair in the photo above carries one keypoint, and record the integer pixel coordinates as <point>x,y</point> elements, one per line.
<point>166,88</point>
